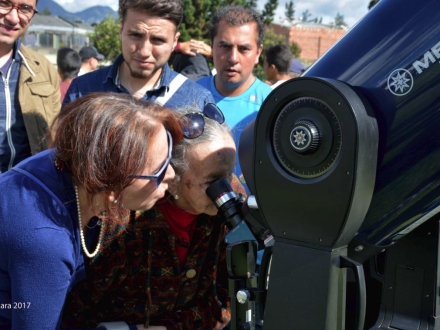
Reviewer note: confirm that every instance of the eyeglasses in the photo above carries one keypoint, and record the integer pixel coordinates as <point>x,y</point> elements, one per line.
<point>158,177</point>
<point>25,12</point>
<point>193,123</point>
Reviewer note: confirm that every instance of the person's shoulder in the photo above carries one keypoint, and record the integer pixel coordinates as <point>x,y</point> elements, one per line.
<point>262,86</point>
<point>259,90</point>
<point>196,85</point>
<point>36,60</point>
<point>101,72</point>
<point>191,91</point>
<point>92,80</point>
<point>205,81</point>
<point>31,54</point>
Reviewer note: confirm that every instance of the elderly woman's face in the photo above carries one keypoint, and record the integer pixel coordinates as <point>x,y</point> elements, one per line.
<point>208,162</point>
<point>143,194</point>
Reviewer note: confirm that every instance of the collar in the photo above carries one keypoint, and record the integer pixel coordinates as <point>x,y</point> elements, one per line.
<point>164,81</point>
<point>177,218</point>
<point>15,53</point>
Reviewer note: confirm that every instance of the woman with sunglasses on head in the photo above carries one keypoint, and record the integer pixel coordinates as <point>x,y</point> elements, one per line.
<point>168,269</point>
<point>50,201</point>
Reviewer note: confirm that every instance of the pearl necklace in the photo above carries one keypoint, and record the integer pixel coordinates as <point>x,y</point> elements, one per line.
<point>81,232</point>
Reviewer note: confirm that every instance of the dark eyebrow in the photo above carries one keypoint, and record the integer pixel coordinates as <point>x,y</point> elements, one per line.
<point>246,45</point>
<point>224,43</point>
<point>134,30</point>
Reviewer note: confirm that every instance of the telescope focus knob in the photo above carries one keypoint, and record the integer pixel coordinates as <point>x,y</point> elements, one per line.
<point>243,296</point>
<point>305,137</point>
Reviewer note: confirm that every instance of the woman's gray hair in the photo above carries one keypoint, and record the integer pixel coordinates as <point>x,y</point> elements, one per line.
<point>213,131</point>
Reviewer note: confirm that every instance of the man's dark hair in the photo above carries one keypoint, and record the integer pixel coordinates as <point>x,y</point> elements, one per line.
<point>280,56</point>
<point>236,16</point>
<point>68,62</point>
<point>171,10</point>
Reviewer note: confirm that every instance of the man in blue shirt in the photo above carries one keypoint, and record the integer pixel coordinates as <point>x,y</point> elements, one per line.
<point>236,35</point>
<point>149,33</point>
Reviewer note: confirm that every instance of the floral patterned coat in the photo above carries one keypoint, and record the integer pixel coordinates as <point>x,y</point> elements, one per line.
<point>137,278</point>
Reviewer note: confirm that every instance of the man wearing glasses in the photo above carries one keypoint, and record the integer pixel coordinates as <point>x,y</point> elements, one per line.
<point>29,88</point>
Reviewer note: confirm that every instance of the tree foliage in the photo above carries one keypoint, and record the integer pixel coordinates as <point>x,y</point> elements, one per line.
<point>45,12</point>
<point>251,4</point>
<point>339,20</point>
<point>269,11</point>
<point>290,11</point>
<point>197,14</point>
<point>106,38</point>
<point>271,39</point>
<point>372,3</point>
<point>305,16</point>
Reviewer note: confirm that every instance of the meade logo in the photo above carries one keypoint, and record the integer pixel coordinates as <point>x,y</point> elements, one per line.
<point>429,57</point>
<point>401,81</point>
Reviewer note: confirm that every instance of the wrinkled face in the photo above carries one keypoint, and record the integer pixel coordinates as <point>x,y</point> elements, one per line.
<point>147,43</point>
<point>208,162</point>
<point>13,25</point>
<point>235,53</point>
<point>143,194</point>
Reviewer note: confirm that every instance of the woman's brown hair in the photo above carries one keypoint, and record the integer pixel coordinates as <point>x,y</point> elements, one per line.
<point>104,138</point>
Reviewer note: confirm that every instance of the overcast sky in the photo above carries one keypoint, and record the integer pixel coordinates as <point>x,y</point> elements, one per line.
<point>352,10</point>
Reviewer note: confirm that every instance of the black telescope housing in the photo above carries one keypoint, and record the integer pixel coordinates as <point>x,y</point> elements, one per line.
<point>344,165</point>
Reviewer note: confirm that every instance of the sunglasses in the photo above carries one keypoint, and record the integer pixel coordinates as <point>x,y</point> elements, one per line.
<point>158,177</point>
<point>193,123</point>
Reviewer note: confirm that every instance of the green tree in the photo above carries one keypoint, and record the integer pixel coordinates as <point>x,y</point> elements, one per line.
<point>290,11</point>
<point>372,3</point>
<point>339,20</point>
<point>305,16</point>
<point>45,12</point>
<point>251,4</point>
<point>197,14</point>
<point>269,11</point>
<point>270,39</point>
<point>106,38</point>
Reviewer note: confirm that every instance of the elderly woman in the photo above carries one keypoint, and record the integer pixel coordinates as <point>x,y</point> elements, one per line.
<point>49,201</point>
<point>168,269</point>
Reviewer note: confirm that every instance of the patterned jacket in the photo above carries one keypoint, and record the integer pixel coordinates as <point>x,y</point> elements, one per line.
<point>137,278</point>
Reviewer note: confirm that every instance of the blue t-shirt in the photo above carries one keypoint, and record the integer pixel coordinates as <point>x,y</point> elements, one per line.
<point>239,110</point>
<point>40,250</point>
<point>107,80</point>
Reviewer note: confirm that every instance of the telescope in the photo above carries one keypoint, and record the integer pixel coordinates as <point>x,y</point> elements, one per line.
<point>343,166</point>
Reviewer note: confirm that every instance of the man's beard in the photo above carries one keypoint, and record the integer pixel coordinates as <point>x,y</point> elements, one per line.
<point>139,74</point>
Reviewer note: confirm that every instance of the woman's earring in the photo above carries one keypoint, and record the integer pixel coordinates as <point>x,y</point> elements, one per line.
<point>115,201</point>
<point>176,196</point>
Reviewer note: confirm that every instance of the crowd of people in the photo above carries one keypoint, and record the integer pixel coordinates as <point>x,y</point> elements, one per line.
<point>104,217</point>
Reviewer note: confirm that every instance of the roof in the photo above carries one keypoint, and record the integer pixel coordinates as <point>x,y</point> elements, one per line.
<point>310,25</point>
<point>48,23</point>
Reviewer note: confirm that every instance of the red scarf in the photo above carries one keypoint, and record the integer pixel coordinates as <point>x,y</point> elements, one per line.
<point>181,224</point>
